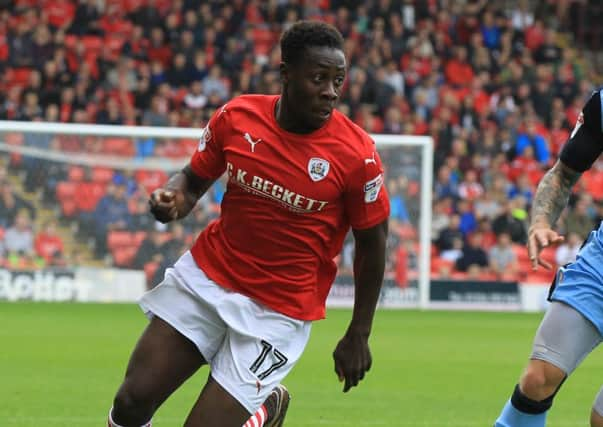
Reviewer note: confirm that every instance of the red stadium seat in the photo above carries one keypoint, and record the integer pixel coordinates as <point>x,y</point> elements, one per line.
<point>68,208</point>
<point>123,257</point>
<point>118,146</point>
<point>19,76</point>
<point>118,239</point>
<point>66,190</point>
<point>150,180</point>
<point>89,194</point>
<point>76,173</point>
<point>13,138</point>
<point>93,44</point>
<point>102,175</point>
<point>541,275</point>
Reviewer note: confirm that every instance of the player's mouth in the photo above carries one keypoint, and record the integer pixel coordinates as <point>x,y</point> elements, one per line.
<point>324,113</point>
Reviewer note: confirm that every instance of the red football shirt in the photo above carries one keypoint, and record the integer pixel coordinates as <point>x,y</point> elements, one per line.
<point>289,202</point>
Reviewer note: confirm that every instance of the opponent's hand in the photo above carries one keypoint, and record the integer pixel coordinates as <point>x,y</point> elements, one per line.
<point>162,204</point>
<point>538,239</point>
<point>352,359</point>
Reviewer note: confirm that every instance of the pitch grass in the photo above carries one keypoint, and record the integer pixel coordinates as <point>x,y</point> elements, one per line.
<point>60,365</point>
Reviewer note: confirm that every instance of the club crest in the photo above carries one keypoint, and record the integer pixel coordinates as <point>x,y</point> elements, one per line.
<point>318,168</point>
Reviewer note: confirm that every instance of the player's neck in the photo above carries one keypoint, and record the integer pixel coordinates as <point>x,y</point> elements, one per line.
<point>287,119</point>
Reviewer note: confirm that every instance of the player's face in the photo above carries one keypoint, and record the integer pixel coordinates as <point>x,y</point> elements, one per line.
<point>314,85</point>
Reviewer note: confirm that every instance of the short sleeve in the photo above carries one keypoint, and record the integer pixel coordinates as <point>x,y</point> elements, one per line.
<point>585,143</point>
<point>208,159</point>
<point>365,198</point>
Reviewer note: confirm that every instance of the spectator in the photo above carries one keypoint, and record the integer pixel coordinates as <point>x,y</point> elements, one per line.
<point>195,99</point>
<point>111,214</point>
<point>11,204</point>
<point>398,210</point>
<point>149,250</point>
<point>503,261</point>
<point>18,239</point>
<point>49,245</point>
<point>470,188</point>
<point>568,250</point>
<point>458,71</point>
<point>468,221</point>
<point>449,234</point>
<point>578,220</point>
<point>453,253</point>
<point>532,139</point>
<point>473,254</point>
<point>507,223</point>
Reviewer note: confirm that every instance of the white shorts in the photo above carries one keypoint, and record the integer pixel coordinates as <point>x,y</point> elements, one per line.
<point>250,348</point>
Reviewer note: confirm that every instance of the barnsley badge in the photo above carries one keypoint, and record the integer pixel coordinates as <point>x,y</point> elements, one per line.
<point>318,168</point>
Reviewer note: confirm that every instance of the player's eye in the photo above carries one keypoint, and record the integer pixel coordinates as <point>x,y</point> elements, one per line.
<point>318,78</point>
<point>339,81</point>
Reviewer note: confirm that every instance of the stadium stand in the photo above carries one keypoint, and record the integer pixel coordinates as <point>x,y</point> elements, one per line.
<point>498,86</point>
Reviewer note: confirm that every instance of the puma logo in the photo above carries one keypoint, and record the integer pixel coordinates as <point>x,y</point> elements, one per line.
<point>371,160</point>
<point>251,141</point>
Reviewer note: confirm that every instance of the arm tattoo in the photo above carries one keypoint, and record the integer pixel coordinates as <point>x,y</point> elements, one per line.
<point>553,194</point>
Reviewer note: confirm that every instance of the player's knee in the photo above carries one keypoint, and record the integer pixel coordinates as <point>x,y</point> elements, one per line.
<point>132,406</point>
<point>540,381</point>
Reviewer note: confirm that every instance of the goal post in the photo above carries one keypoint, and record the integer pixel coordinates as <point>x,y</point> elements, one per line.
<point>425,146</point>
<point>101,148</point>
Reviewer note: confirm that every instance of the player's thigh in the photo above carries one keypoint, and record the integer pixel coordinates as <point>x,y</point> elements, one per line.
<point>161,361</point>
<point>260,348</point>
<point>564,338</point>
<point>216,407</point>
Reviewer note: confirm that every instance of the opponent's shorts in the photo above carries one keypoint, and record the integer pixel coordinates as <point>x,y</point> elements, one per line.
<point>580,283</point>
<point>250,348</point>
<point>564,337</point>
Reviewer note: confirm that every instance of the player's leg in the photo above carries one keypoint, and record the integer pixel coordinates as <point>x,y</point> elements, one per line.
<point>562,341</point>
<point>215,407</point>
<point>273,411</point>
<point>184,333</point>
<point>596,416</point>
<point>247,370</point>
<point>162,360</point>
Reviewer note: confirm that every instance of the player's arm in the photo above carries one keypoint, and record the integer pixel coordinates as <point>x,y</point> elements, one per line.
<point>182,191</point>
<point>179,195</point>
<point>552,195</point>
<point>352,355</point>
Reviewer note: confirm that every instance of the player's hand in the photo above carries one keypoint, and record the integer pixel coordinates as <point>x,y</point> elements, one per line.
<point>538,239</point>
<point>162,204</point>
<point>352,359</point>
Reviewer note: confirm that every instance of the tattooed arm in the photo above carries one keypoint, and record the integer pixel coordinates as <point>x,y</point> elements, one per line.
<point>551,198</point>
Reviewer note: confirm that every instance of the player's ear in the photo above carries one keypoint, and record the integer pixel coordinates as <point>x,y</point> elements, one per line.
<point>284,72</point>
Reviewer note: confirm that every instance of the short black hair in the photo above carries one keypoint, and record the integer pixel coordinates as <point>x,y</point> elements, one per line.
<point>304,34</point>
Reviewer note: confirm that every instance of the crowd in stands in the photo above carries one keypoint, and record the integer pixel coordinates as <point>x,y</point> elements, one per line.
<point>498,85</point>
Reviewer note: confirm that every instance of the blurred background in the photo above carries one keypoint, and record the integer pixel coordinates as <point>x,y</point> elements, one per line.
<point>497,85</point>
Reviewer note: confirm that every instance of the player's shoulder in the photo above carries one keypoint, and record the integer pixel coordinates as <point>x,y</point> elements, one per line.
<point>355,138</point>
<point>250,103</point>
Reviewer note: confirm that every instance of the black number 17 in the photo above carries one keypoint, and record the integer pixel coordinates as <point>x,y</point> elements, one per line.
<point>279,362</point>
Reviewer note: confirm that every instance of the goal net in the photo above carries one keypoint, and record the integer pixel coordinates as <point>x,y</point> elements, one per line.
<point>82,191</point>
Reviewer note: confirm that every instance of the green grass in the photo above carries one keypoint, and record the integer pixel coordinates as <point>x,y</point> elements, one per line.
<point>60,365</point>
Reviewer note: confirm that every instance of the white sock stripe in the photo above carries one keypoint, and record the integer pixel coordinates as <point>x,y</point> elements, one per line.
<point>111,422</point>
<point>263,415</point>
<point>255,421</point>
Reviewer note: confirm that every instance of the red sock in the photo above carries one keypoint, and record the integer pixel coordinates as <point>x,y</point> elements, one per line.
<point>258,419</point>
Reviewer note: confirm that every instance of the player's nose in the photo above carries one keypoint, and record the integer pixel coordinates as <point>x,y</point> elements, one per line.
<point>329,92</point>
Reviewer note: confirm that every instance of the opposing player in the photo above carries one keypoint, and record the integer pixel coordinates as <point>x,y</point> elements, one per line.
<point>573,324</point>
<point>300,175</point>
